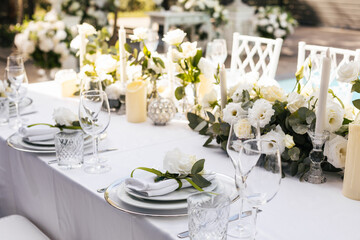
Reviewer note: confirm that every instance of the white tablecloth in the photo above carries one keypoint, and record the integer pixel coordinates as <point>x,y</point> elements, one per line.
<point>65,204</point>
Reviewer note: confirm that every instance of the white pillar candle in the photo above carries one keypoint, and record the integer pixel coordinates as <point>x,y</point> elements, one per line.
<point>170,71</point>
<point>82,48</point>
<point>324,85</point>
<point>122,56</point>
<point>135,100</point>
<point>223,88</point>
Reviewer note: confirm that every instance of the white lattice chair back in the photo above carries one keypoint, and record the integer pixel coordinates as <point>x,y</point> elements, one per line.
<point>258,54</point>
<point>338,55</point>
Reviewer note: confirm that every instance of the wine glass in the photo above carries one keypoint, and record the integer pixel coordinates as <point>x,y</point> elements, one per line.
<point>240,131</point>
<point>218,51</point>
<point>90,83</point>
<point>17,84</point>
<point>152,40</point>
<point>94,116</point>
<point>258,171</point>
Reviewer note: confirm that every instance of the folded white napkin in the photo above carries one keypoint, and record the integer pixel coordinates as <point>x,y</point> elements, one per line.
<point>38,133</point>
<point>149,188</point>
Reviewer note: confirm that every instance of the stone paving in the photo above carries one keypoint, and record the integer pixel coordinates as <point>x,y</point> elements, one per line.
<point>335,37</point>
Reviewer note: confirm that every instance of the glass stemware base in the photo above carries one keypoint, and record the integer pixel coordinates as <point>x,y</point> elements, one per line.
<point>97,169</point>
<point>315,175</point>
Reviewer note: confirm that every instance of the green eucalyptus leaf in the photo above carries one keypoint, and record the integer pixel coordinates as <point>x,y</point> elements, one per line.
<point>196,58</point>
<point>356,87</point>
<point>294,153</point>
<point>211,117</point>
<point>293,168</point>
<point>357,103</point>
<point>208,141</point>
<point>200,181</point>
<point>179,92</point>
<point>198,166</point>
<point>128,48</point>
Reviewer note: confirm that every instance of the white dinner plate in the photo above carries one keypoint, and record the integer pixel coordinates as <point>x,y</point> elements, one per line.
<point>51,142</point>
<point>181,194</point>
<point>117,197</point>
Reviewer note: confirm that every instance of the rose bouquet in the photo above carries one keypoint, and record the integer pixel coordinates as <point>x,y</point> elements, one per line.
<point>282,118</point>
<point>187,56</point>
<point>45,41</point>
<point>152,63</point>
<point>274,22</point>
<point>93,12</point>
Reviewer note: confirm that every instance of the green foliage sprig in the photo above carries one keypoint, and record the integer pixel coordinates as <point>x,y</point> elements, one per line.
<point>194,178</point>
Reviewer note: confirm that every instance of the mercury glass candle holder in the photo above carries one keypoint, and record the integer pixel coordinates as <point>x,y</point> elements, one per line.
<point>315,174</point>
<point>161,110</point>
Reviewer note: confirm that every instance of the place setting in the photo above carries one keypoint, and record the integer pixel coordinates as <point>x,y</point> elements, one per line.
<point>150,192</point>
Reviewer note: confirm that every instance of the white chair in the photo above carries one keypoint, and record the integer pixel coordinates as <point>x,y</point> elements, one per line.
<point>338,55</point>
<point>17,227</point>
<point>255,54</point>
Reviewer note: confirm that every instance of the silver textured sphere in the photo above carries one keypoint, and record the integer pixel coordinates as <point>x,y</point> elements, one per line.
<point>161,110</point>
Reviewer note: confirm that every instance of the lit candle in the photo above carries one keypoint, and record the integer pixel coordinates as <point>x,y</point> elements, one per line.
<point>324,85</point>
<point>171,73</point>
<point>135,100</point>
<point>122,57</point>
<point>223,88</point>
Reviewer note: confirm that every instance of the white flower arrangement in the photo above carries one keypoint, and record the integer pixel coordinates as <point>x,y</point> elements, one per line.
<point>274,22</point>
<point>176,161</point>
<point>64,117</point>
<point>45,42</point>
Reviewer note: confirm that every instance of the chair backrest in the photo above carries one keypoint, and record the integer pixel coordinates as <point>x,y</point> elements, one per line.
<point>258,54</point>
<point>338,55</point>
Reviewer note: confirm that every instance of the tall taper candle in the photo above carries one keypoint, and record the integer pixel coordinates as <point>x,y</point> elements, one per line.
<point>171,73</point>
<point>122,56</point>
<point>324,86</point>
<point>223,88</point>
<point>82,48</point>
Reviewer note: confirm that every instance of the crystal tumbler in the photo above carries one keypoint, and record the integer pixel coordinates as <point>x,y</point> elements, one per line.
<point>69,149</point>
<point>4,111</point>
<point>208,216</point>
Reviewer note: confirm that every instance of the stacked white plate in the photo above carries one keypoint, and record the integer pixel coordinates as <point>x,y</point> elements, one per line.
<point>172,204</point>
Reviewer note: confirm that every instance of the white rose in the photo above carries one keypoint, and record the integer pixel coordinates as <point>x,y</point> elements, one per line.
<point>64,116</point>
<point>335,151</point>
<point>140,33</point>
<point>60,35</point>
<point>334,116</point>
<point>189,49</point>
<point>348,72</point>
<point>209,98</point>
<point>113,91</point>
<point>51,16</point>
<point>350,112</point>
<point>86,29</point>
<point>242,128</point>
<point>105,63</point>
<point>207,68</point>
<point>60,48</point>
<point>269,29</point>
<point>46,44</point>
<point>295,101</point>
<point>261,113</point>
<point>289,141</point>
<point>273,93</point>
<point>279,33</point>
<point>232,111</point>
<point>133,71</point>
<point>20,38</point>
<point>277,136</point>
<point>176,55</point>
<point>74,6</point>
<point>75,43</point>
<point>59,25</point>
<point>174,37</point>
<point>28,47</point>
<point>176,161</point>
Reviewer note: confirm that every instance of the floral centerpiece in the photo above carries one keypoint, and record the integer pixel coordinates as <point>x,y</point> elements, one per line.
<point>100,60</point>
<point>45,41</point>
<point>285,118</point>
<point>213,8</point>
<point>152,64</point>
<point>187,56</point>
<point>93,12</point>
<point>274,22</point>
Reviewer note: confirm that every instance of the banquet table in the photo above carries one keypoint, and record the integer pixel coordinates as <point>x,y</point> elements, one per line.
<point>64,204</point>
